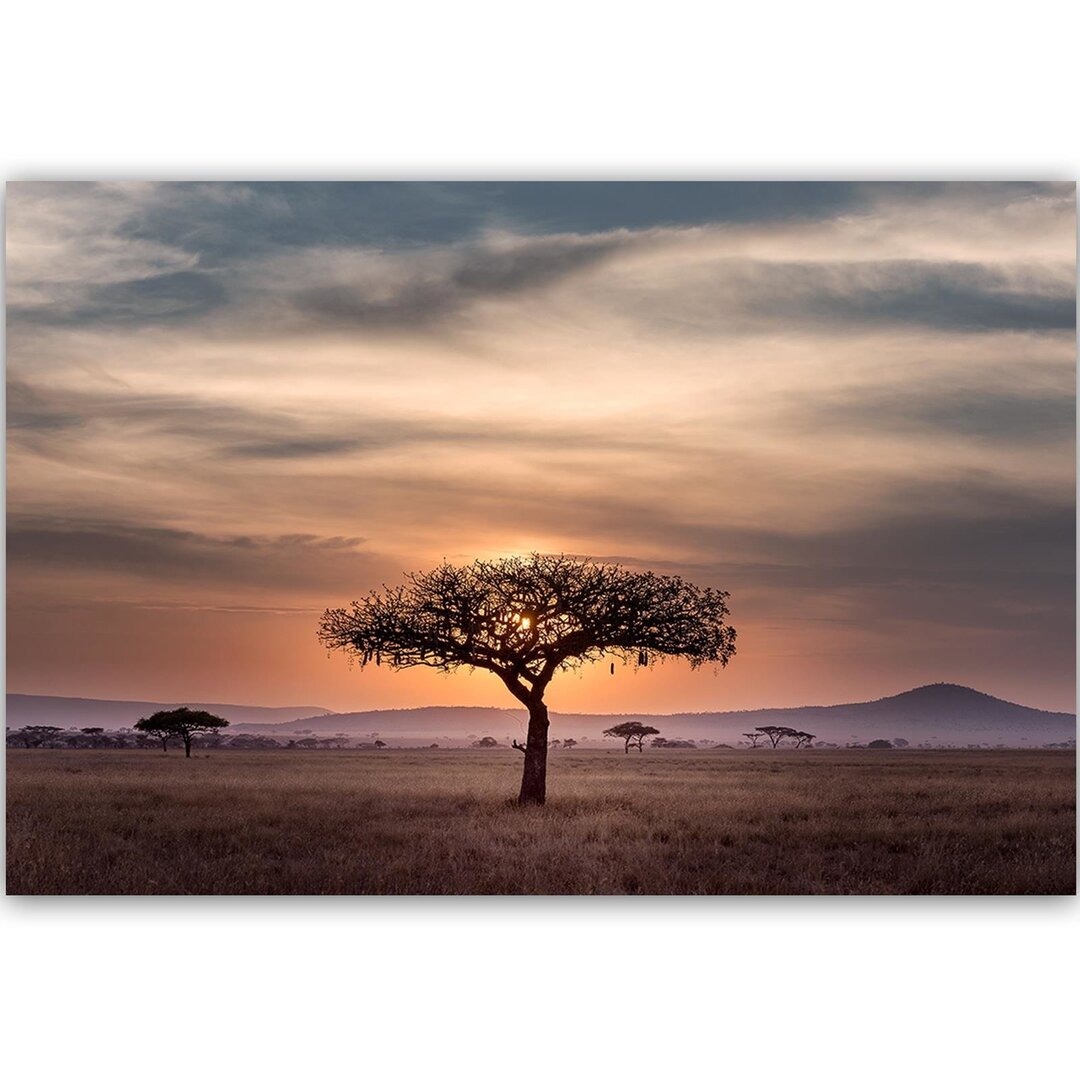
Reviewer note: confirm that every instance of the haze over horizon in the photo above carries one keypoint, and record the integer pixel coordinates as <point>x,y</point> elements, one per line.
<point>233,405</point>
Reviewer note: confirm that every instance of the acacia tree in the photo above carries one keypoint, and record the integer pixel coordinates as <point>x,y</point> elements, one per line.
<point>182,723</point>
<point>754,737</point>
<point>526,618</point>
<point>633,732</point>
<point>776,734</point>
<point>802,738</point>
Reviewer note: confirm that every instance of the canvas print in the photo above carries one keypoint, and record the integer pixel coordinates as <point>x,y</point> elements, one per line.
<point>540,538</point>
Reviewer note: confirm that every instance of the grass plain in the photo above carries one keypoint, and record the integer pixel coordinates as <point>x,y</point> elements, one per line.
<point>443,821</point>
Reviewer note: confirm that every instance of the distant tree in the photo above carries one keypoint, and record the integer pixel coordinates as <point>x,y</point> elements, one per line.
<point>802,738</point>
<point>182,723</point>
<point>36,735</point>
<point>569,744</point>
<point>554,744</point>
<point>674,744</point>
<point>486,743</point>
<point>380,745</point>
<point>434,746</point>
<point>879,744</point>
<point>245,742</point>
<point>754,737</point>
<point>526,618</point>
<point>776,734</point>
<point>92,730</point>
<point>632,732</point>
<point>900,742</point>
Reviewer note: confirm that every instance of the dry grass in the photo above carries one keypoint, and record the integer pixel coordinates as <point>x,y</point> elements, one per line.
<point>742,822</point>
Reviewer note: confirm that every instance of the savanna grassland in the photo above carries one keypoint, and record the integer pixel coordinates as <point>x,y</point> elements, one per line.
<point>443,821</point>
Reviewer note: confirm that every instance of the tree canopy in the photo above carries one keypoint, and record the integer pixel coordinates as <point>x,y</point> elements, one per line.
<point>525,618</point>
<point>182,723</point>
<point>633,732</point>
<point>776,734</point>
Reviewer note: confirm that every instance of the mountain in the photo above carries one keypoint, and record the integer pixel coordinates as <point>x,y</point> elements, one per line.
<point>942,713</point>
<point>450,722</point>
<point>65,712</point>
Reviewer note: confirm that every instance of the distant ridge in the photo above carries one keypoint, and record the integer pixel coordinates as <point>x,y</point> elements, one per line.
<point>23,709</point>
<point>944,713</point>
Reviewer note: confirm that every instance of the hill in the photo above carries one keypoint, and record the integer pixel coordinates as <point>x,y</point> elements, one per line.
<point>942,713</point>
<point>65,712</point>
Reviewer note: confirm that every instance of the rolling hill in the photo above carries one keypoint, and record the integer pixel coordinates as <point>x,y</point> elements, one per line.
<point>939,714</point>
<point>66,712</point>
<point>942,712</point>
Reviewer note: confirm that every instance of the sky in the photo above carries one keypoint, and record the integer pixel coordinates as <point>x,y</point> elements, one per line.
<point>233,405</point>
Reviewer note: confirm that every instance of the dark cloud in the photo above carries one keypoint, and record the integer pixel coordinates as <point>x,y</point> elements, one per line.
<point>31,411</point>
<point>222,230</point>
<point>52,419</point>
<point>296,448</point>
<point>175,555</point>
<point>733,296</point>
<point>953,296</point>
<point>427,294</point>
<point>144,301</point>
<point>223,222</point>
<point>995,551</point>
<point>994,416</point>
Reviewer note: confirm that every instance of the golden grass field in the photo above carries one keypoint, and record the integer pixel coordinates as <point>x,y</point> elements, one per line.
<point>443,821</point>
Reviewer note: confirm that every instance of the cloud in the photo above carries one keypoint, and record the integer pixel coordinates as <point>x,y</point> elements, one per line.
<point>733,297</point>
<point>407,293</point>
<point>137,550</point>
<point>994,416</point>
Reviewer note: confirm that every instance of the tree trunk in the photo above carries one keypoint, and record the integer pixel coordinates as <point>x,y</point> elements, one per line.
<point>626,749</point>
<point>534,777</point>
<point>187,748</point>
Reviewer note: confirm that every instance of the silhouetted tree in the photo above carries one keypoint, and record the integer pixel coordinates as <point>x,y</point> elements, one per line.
<point>524,619</point>
<point>569,744</point>
<point>754,737</point>
<point>776,734</point>
<point>37,735</point>
<point>633,732</point>
<point>242,742</point>
<point>380,745</point>
<point>879,744</point>
<point>802,738</point>
<point>486,743</point>
<point>182,723</point>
